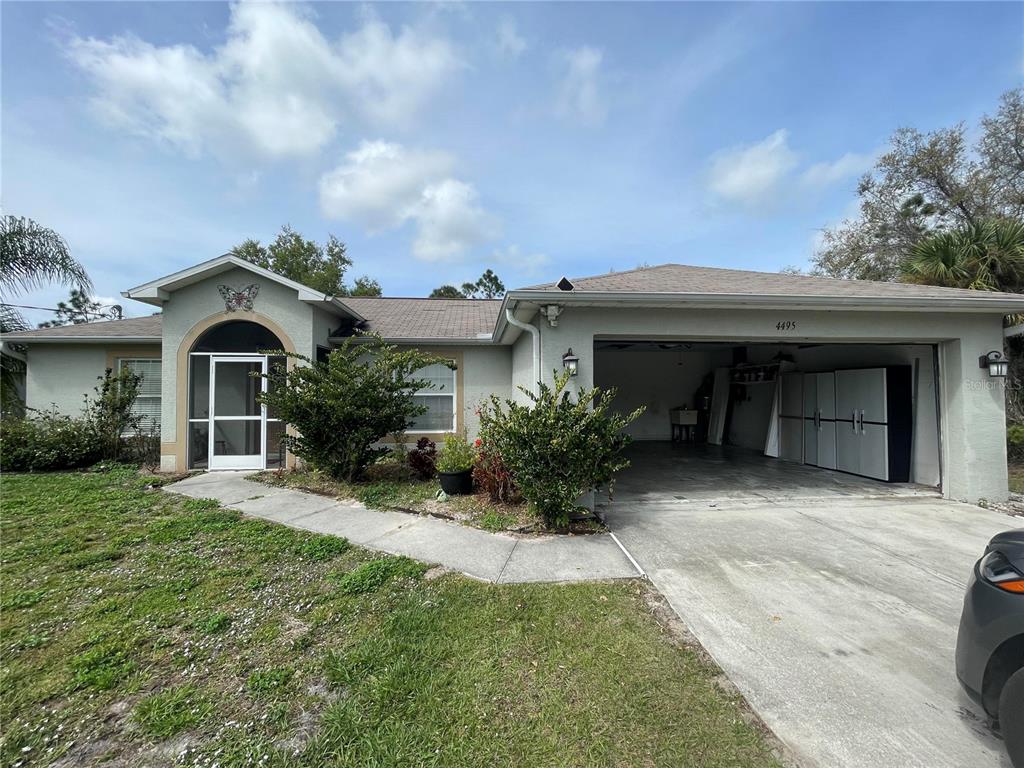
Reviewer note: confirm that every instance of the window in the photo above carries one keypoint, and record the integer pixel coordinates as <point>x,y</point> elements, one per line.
<point>147,404</point>
<point>439,399</point>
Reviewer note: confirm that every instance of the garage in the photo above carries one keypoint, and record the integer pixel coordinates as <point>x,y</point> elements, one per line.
<point>739,418</point>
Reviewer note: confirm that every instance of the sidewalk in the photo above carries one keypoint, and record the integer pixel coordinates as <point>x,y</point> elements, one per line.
<point>491,557</point>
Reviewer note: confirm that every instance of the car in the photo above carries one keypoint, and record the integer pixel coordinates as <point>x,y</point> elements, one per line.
<point>990,642</point>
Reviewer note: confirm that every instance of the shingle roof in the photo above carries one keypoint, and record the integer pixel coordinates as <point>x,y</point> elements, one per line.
<point>680,278</point>
<point>132,328</point>
<point>428,318</point>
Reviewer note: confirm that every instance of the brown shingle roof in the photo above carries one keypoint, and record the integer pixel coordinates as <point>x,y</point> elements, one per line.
<point>428,318</point>
<point>680,278</point>
<point>132,328</point>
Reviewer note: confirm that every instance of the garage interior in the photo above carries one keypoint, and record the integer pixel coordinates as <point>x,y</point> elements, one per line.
<point>737,419</point>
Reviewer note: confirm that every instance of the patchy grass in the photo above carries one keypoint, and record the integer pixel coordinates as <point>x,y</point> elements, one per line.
<point>1016,478</point>
<point>142,628</point>
<point>410,495</point>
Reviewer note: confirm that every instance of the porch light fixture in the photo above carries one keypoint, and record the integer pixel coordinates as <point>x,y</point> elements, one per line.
<point>996,362</point>
<point>571,363</point>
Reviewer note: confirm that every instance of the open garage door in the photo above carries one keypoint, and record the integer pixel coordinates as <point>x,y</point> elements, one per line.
<point>864,410</point>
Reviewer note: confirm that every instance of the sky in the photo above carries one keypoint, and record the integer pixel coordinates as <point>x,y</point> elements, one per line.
<point>439,140</point>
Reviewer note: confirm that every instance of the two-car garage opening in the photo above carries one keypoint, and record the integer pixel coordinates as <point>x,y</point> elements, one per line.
<point>825,416</point>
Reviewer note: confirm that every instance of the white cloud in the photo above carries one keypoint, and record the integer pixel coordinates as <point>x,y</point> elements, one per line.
<point>450,221</point>
<point>382,185</point>
<point>510,42</point>
<point>513,256</point>
<point>580,95</point>
<point>277,86</point>
<point>824,174</point>
<point>751,174</point>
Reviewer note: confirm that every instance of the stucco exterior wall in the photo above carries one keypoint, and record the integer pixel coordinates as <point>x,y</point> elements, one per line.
<point>59,375</point>
<point>488,370</point>
<point>972,404</point>
<point>522,366</point>
<point>324,324</point>
<point>200,305</point>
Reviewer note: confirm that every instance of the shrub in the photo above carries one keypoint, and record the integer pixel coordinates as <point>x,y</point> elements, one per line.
<point>342,406</point>
<point>47,441</point>
<point>457,456</point>
<point>423,458</point>
<point>109,411</point>
<point>492,476</point>
<point>1015,443</point>
<point>390,466</point>
<point>558,447</point>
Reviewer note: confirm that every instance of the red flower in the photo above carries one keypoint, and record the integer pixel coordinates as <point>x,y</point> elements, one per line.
<point>478,442</point>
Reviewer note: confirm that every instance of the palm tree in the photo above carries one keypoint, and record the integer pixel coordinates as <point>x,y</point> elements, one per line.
<point>30,256</point>
<point>988,256</point>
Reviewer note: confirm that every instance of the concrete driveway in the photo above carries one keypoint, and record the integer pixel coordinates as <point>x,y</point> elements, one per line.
<point>835,614</point>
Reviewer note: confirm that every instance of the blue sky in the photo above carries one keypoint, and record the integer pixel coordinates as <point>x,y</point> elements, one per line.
<point>438,140</point>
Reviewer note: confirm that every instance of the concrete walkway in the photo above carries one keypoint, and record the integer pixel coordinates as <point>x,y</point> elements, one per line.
<point>488,556</point>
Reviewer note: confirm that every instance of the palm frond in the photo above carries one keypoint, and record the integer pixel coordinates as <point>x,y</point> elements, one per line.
<point>32,255</point>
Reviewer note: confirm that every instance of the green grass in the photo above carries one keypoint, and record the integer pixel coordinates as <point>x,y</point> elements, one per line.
<point>1016,478</point>
<point>143,628</point>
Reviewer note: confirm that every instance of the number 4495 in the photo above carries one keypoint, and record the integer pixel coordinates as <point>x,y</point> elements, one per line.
<point>785,325</point>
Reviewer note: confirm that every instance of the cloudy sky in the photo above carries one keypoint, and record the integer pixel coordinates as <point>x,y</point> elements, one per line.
<point>439,140</point>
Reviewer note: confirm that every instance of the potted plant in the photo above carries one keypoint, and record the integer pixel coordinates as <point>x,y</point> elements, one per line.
<point>455,466</point>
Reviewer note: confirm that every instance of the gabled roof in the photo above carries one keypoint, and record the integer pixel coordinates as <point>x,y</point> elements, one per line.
<point>684,279</point>
<point>426,320</point>
<point>159,290</point>
<point>135,329</point>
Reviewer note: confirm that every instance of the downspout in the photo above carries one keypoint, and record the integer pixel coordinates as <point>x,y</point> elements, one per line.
<point>535,333</point>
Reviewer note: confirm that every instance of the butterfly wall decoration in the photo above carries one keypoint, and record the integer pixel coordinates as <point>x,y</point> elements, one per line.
<point>236,300</point>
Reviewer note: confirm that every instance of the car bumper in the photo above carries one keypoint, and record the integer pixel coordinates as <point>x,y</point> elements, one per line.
<point>984,626</point>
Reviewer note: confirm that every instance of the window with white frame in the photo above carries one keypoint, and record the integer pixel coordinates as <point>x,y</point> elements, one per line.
<point>439,399</point>
<point>147,404</point>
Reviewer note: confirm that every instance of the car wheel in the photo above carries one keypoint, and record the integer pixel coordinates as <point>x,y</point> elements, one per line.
<point>1011,717</point>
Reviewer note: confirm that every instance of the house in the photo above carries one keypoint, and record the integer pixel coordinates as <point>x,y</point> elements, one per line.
<point>886,380</point>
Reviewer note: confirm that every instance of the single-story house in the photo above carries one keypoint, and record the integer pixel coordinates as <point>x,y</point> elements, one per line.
<point>886,380</point>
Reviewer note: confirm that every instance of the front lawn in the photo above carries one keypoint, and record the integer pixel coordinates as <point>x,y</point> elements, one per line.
<point>139,627</point>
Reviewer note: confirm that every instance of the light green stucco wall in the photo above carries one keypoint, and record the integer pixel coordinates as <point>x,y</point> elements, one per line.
<point>60,375</point>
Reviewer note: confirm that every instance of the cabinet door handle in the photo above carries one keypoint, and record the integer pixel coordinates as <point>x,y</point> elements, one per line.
<point>855,421</point>
<point>862,430</point>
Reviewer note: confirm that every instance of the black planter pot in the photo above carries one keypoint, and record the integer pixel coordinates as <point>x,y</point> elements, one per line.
<point>456,483</point>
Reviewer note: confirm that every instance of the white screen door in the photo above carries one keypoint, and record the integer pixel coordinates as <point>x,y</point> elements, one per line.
<point>237,420</point>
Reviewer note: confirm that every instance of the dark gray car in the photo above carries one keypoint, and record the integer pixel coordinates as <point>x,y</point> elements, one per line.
<point>990,644</point>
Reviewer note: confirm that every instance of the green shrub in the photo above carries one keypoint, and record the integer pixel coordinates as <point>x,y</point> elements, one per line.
<point>457,455</point>
<point>47,441</point>
<point>558,447</point>
<point>109,411</point>
<point>1015,443</point>
<point>343,406</point>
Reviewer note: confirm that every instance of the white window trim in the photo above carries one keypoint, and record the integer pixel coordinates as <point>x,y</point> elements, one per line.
<point>159,398</point>
<point>435,393</point>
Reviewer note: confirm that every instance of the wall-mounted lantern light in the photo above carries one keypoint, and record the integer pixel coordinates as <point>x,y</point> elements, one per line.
<point>570,362</point>
<point>996,362</point>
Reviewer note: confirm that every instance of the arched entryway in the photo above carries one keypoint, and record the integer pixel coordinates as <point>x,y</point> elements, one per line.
<point>227,426</point>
